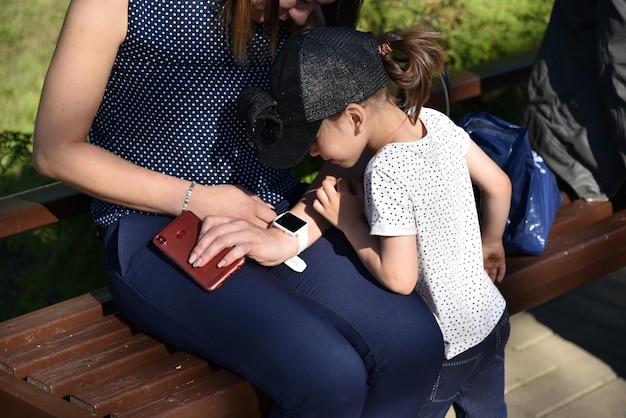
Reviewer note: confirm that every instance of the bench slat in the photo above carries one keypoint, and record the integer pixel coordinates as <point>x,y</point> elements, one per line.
<point>24,360</point>
<point>37,325</point>
<point>218,394</point>
<point>578,214</point>
<point>21,399</point>
<point>127,389</point>
<point>64,377</point>
<point>570,260</point>
<point>473,82</point>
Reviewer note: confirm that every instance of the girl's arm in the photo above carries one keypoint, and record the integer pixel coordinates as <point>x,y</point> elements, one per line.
<point>72,93</point>
<point>496,201</point>
<point>391,260</point>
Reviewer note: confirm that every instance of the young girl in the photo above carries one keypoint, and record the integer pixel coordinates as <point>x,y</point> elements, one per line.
<point>422,230</point>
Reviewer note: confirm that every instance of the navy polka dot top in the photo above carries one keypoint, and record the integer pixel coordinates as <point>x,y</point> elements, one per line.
<point>170,102</point>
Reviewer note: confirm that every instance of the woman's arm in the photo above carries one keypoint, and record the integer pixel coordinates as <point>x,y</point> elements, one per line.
<point>267,246</point>
<point>72,93</point>
<point>496,201</point>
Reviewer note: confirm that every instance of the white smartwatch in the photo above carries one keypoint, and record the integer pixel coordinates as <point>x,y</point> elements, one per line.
<point>294,226</point>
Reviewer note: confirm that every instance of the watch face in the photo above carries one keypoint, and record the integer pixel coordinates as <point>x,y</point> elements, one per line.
<point>290,222</point>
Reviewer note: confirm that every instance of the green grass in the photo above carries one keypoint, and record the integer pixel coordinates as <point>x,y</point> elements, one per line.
<point>28,34</point>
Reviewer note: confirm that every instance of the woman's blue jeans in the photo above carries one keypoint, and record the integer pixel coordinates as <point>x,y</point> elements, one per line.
<point>473,381</point>
<point>329,342</point>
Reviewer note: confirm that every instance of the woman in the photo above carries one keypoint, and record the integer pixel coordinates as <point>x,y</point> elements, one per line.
<point>153,86</point>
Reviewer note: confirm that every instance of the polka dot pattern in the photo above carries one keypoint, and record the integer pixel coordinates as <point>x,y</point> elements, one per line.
<point>170,101</point>
<point>423,188</point>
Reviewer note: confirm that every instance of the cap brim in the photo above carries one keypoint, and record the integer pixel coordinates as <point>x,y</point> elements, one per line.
<point>291,147</point>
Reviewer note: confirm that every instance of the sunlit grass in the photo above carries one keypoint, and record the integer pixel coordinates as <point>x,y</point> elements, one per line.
<point>28,34</point>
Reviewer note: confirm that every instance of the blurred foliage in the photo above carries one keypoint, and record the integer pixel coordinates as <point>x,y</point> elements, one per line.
<point>474,31</point>
<point>15,151</point>
<point>63,260</point>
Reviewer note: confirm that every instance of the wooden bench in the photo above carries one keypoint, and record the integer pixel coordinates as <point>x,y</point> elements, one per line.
<point>81,358</point>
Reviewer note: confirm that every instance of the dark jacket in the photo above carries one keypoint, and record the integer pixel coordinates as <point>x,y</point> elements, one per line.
<point>575,109</point>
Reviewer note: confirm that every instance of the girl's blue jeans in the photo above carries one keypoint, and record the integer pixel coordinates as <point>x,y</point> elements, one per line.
<point>473,381</point>
<point>328,342</point>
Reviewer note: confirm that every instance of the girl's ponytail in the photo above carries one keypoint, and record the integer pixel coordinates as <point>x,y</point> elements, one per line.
<point>411,58</point>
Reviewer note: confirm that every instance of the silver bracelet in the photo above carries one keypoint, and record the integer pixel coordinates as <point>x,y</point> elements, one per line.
<point>188,195</point>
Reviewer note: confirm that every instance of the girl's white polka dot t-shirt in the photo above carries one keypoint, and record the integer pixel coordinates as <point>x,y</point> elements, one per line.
<point>423,188</point>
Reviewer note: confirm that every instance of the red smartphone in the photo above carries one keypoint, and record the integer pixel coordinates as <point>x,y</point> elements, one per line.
<point>177,240</point>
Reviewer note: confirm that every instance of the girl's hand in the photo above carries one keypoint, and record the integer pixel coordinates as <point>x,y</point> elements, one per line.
<point>266,245</point>
<point>494,260</point>
<point>340,202</point>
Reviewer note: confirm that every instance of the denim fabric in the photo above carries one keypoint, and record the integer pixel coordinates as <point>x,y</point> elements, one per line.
<point>328,342</point>
<point>473,381</point>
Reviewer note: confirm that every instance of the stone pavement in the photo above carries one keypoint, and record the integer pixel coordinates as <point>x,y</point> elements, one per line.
<point>567,358</point>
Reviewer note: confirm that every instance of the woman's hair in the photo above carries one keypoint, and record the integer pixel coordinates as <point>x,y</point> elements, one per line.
<point>237,18</point>
<point>413,58</point>
<point>342,13</point>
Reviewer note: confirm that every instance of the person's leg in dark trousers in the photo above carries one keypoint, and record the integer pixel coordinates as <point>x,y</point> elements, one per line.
<point>397,335</point>
<point>473,381</point>
<point>252,324</point>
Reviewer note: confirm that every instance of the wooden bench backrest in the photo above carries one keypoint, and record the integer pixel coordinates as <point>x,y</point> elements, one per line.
<point>51,203</point>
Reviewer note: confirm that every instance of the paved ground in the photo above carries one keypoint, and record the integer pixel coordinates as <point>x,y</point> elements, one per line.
<point>567,358</point>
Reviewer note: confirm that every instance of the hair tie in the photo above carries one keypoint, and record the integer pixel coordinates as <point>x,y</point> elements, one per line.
<point>384,49</point>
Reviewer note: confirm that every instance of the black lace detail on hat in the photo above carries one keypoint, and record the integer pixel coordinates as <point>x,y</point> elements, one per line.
<point>259,110</point>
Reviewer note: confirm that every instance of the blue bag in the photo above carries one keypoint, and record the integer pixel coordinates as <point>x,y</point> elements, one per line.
<point>535,194</point>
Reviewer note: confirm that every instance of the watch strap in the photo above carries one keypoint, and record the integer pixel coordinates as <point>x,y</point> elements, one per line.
<point>303,239</point>
<point>296,264</point>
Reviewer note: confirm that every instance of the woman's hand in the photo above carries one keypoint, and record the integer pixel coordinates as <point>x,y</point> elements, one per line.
<point>340,202</point>
<point>233,202</point>
<point>266,245</point>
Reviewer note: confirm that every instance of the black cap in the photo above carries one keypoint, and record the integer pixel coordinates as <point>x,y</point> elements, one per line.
<point>316,74</point>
